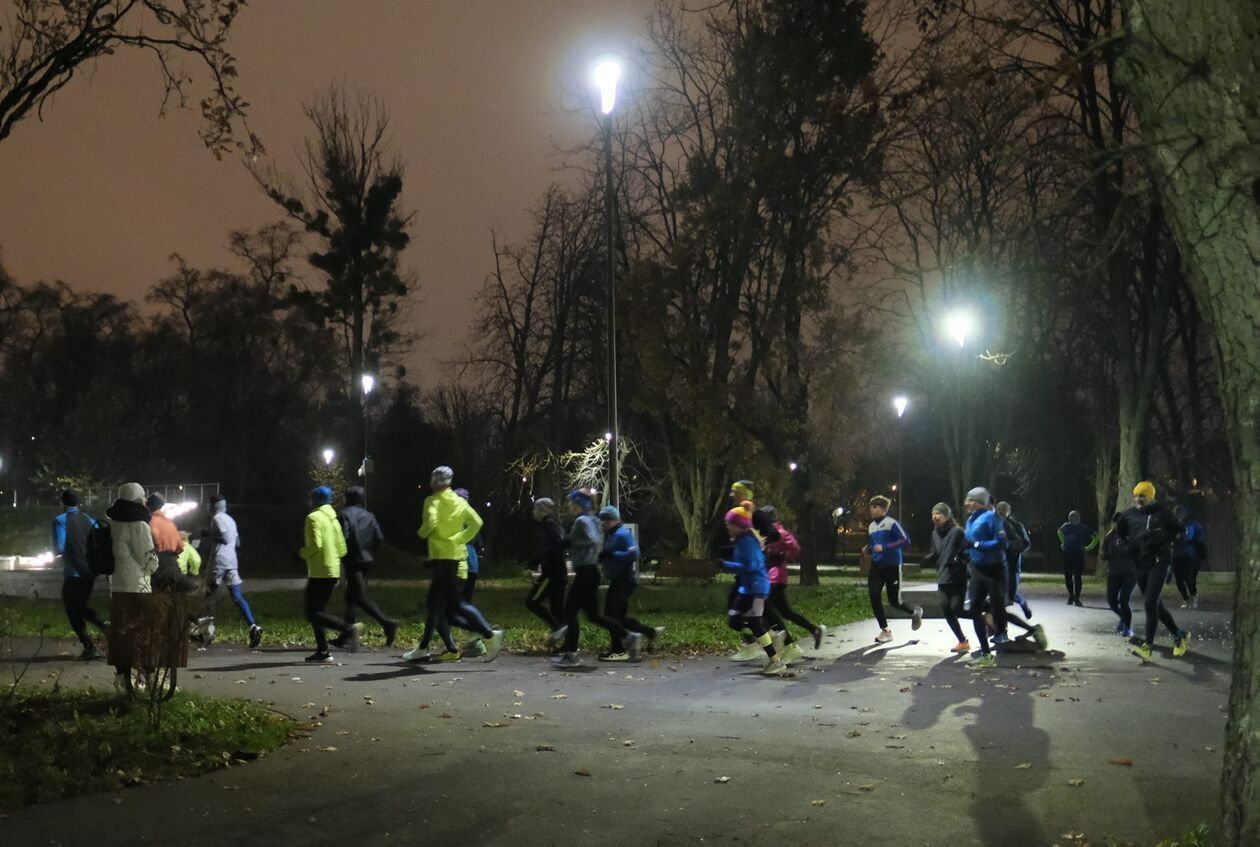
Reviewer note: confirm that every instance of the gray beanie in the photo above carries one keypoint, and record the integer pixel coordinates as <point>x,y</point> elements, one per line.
<point>132,491</point>
<point>980,494</point>
<point>943,509</point>
<point>545,505</point>
<point>442,475</point>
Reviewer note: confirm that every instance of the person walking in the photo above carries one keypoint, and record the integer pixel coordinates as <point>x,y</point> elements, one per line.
<point>986,543</point>
<point>1121,576</point>
<point>586,541</point>
<point>949,555</point>
<point>1149,529</point>
<point>779,610</point>
<point>363,536</point>
<point>323,548</point>
<point>71,531</point>
<point>1075,540</point>
<point>135,562</point>
<point>752,585</point>
<point>225,542</point>
<point>618,557</point>
<point>886,541</point>
<point>1189,551</point>
<point>546,594</point>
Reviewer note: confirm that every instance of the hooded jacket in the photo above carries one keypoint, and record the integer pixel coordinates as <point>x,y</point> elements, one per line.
<point>780,553</point>
<point>986,539</point>
<point>586,540</point>
<point>70,531</point>
<point>135,559</point>
<point>1116,555</point>
<point>619,554</point>
<point>1192,543</point>
<point>324,544</point>
<point>749,566</point>
<point>449,524</point>
<point>1077,538</point>
<point>1148,533</point>
<point>363,536</point>
<point>947,542</point>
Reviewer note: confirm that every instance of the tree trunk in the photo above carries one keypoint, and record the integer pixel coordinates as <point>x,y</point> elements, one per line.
<point>1191,71</point>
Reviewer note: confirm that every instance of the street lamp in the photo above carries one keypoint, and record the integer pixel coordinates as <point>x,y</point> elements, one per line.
<point>606,74</point>
<point>959,324</point>
<point>367,382</point>
<point>900,404</point>
<point>328,456</point>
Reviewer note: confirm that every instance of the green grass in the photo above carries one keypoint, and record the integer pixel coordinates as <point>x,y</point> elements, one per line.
<point>62,743</point>
<point>694,615</point>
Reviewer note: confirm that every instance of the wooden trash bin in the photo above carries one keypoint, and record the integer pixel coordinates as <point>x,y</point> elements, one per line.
<point>149,631</point>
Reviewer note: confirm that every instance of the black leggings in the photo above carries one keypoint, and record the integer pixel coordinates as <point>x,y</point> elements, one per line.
<point>1186,572</point>
<point>76,591</point>
<point>780,611</point>
<point>546,596</point>
<point>445,606</point>
<point>951,597</point>
<point>617,607</point>
<point>745,612</point>
<point>318,592</point>
<point>1119,589</point>
<point>584,599</point>
<point>880,579</point>
<point>1151,583</point>
<point>988,582</point>
<point>1073,572</point>
<point>357,597</point>
<point>470,587</point>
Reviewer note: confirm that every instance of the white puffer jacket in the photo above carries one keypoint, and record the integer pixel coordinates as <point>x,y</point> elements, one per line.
<point>135,558</point>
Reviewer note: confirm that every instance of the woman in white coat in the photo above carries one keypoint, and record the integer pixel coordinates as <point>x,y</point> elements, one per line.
<point>135,561</point>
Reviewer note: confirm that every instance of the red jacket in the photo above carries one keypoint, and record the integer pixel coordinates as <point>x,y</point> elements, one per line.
<point>780,553</point>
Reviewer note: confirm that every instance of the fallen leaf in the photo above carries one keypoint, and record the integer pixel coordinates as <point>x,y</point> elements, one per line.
<point>1023,767</point>
<point>518,693</point>
<point>722,780</point>
<point>1128,763</point>
<point>627,743</point>
<point>424,705</point>
<point>582,772</point>
<point>493,724</point>
<point>343,732</point>
<point>817,802</point>
<point>545,748</point>
<point>559,696</point>
<point>1076,783</point>
<point>870,787</point>
<point>616,707</point>
<point>328,749</point>
<point>853,733</point>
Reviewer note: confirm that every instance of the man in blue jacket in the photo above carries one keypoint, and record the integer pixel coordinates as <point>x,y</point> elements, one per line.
<point>1076,539</point>
<point>620,553</point>
<point>986,540</point>
<point>1189,551</point>
<point>887,539</point>
<point>70,531</point>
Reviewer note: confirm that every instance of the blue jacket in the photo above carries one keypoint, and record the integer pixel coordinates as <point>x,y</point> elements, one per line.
<point>1077,537</point>
<point>749,567</point>
<point>889,533</point>
<point>1192,543</point>
<point>70,531</point>
<point>474,561</point>
<point>986,538</point>
<point>620,553</point>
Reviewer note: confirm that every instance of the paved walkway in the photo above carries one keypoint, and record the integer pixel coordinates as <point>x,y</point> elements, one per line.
<point>897,744</point>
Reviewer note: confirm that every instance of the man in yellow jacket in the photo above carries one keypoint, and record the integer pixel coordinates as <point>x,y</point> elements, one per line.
<point>323,547</point>
<point>449,524</point>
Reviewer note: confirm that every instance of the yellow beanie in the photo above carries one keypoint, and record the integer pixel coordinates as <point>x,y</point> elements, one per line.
<point>743,489</point>
<point>1145,488</point>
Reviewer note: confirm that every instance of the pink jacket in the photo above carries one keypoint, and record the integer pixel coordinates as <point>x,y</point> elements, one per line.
<point>780,553</point>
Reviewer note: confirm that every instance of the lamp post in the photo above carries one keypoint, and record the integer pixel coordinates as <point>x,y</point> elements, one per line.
<point>606,75</point>
<point>367,382</point>
<point>959,324</point>
<point>328,456</point>
<point>900,404</point>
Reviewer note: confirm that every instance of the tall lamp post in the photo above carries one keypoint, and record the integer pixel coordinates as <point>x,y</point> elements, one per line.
<point>959,324</point>
<point>606,75</point>
<point>900,404</point>
<point>367,383</point>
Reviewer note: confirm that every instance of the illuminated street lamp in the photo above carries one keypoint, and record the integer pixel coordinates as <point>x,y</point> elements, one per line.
<point>959,324</point>
<point>328,456</point>
<point>367,382</point>
<point>900,404</point>
<point>605,76</point>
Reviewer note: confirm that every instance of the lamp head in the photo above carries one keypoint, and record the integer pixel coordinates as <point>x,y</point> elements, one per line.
<point>605,76</point>
<point>900,404</point>
<point>368,382</point>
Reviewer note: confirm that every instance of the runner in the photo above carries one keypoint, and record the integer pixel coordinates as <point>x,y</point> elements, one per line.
<point>1149,530</point>
<point>986,540</point>
<point>1075,539</point>
<point>887,538</point>
<point>225,540</point>
<point>363,535</point>
<point>619,555</point>
<point>546,595</point>
<point>1017,541</point>
<point>1121,577</point>
<point>949,555</point>
<point>752,585</point>
<point>322,551</point>
<point>1188,554</point>
<point>71,530</point>
<point>779,611</point>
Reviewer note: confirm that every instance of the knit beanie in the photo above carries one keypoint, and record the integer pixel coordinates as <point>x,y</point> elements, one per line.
<point>545,505</point>
<point>583,499</point>
<point>132,491</point>
<point>155,502</point>
<point>441,476</point>
<point>943,509</point>
<point>980,494</point>
<point>741,515</point>
<point>1145,488</point>
<point>610,513</point>
<point>743,489</point>
<point>321,494</point>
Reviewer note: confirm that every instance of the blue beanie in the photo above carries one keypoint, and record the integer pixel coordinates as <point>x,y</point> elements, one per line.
<point>610,513</point>
<point>580,497</point>
<point>322,494</point>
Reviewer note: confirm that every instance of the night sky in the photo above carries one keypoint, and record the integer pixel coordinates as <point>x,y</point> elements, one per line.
<point>104,189</point>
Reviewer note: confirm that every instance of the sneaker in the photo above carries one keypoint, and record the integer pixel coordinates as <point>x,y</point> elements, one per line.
<point>774,667</point>
<point>391,632</point>
<point>1194,602</point>
<point>1128,632</point>
<point>778,638</point>
<point>557,636</point>
<point>494,647</point>
<point>320,658</point>
<point>634,646</point>
<point>1185,605</point>
<point>472,649</point>
<point>1025,608</point>
<point>89,654</point>
<point>1181,643</point>
<point>986,660</point>
<point>1071,601</point>
<point>916,620</point>
<point>1120,627</point>
<point>567,660</point>
<point>792,653</point>
<point>820,632</point>
<point>354,637</point>
<point>1077,602</point>
<point>445,656</point>
<point>416,654</point>
<point>1039,635</point>
<point>610,656</point>
<point>1001,638</point>
<point>884,637</point>
<point>1143,652</point>
<point>255,636</point>
<point>747,653</point>
<point>963,646</point>
<point>657,634</point>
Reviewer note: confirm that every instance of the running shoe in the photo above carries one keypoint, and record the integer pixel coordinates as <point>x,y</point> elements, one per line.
<point>89,654</point>
<point>472,649</point>
<point>320,658</point>
<point>567,660</point>
<point>792,653</point>
<point>495,646</point>
<point>391,632</point>
<point>1039,635</point>
<point>1025,608</point>
<point>557,636</point>
<point>820,632</point>
<point>1184,605</point>
<point>1194,602</point>
<point>445,656</point>
<point>779,639</point>
<point>1128,632</point>
<point>1143,652</point>
<point>657,634</point>
<point>986,660</point>
<point>1071,601</point>
<point>1077,602</point>
<point>634,646</point>
<point>963,646</point>
<point>748,653</point>
<point>1181,643</point>
<point>884,637</point>
<point>1001,638</point>
<point>255,636</point>
<point>610,656</point>
<point>774,667</point>
<point>916,620</point>
<point>416,654</point>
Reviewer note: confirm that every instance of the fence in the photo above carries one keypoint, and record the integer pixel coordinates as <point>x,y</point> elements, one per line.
<point>102,497</point>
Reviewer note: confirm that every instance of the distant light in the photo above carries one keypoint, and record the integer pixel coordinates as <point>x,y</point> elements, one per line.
<point>900,404</point>
<point>792,466</point>
<point>488,504</point>
<point>894,487</point>
<point>608,437</point>
<point>524,479</point>
<point>605,77</point>
<point>960,324</point>
<point>368,382</point>
<point>328,456</point>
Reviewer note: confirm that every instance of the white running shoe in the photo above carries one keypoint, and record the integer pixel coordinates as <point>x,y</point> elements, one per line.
<point>884,637</point>
<point>748,653</point>
<point>774,667</point>
<point>791,653</point>
<point>416,654</point>
<point>495,646</point>
<point>567,660</point>
<point>917,620</point>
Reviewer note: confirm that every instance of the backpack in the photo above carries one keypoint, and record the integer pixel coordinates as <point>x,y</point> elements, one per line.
<point>100,549</point>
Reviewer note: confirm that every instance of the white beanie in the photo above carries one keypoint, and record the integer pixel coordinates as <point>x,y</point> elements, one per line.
<point>132,491</point>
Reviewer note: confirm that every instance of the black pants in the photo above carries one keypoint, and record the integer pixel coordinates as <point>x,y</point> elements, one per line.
<point>783,612</point>
<point>445,606</point>
<point>745,612</point>
<point>951,596</point>
<point>76,591</point>
<point>584,599</point>
<point>1119,589</point>
<point>465,615</point>
<point>546,595</point>
<point>617,607</point>
<point>318,592</point>
<point>988,583</point>
<point>881,579</point>
<point>470,587</point>
<point>1150,581</point>
<point>357,598</point>
<point>1073,572</point>
<point>1186,572</point>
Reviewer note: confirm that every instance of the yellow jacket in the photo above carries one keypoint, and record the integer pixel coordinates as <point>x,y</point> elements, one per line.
<point>190,560</point>
<point>324,544</point>
<point>449,524</point>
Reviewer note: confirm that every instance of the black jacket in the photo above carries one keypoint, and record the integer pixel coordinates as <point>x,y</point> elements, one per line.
<point>363,535</point>
<point>1148,533</point>
<point>1116,554</point>
<point>948,542</point>
<point>551,544</point>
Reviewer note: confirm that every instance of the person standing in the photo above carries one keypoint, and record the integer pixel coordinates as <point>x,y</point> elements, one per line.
<point>752,585</point>
<point>323,548</point>
<point>618,557</point>
<point>135,562</point>
<point>1075,539</point>
<point>363,536</point>
<point>586,541</point>
<point>949,554</point>
<point>1189,551</point>
<point>779,611</point>
<point>986,543</point>
<point>1149,529</point>
<point>1121,577</point>
<point>70,533</point>
<point>225,541</point>
<point>886,541</point>
<point>546,594</point>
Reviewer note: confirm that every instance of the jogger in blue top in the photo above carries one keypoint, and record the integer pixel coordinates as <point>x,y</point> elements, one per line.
<point>752,584</point>
<point>887,539</point>
<point>986,539</point>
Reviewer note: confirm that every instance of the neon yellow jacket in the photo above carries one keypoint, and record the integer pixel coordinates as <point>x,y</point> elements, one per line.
<point>189,560</point>
<point>325,544</point>
<point>449,524</point>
